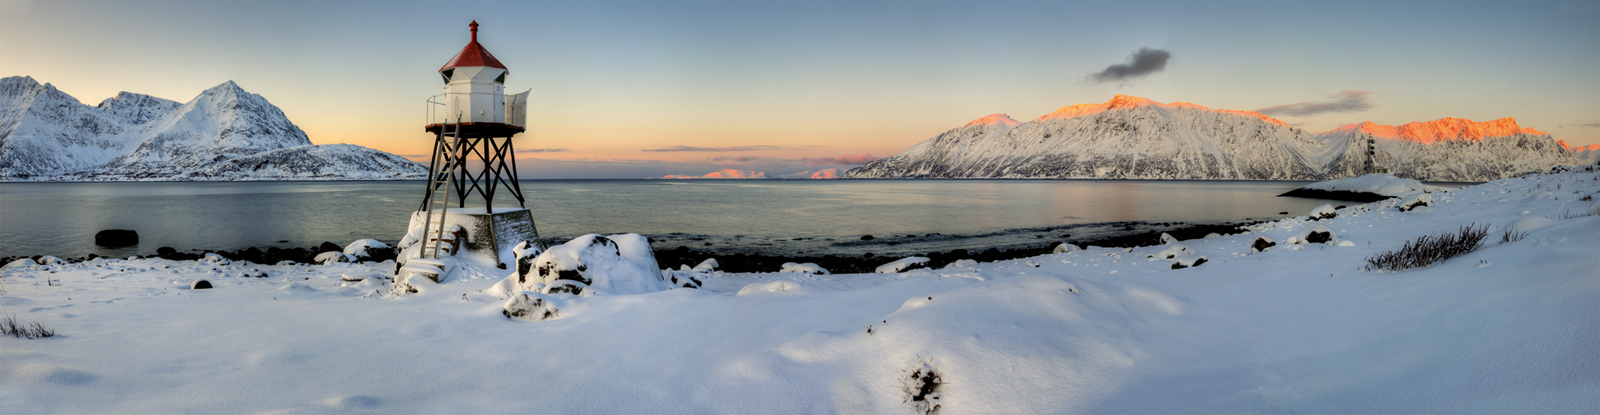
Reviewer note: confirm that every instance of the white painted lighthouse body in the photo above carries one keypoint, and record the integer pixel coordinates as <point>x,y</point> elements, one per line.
<point>474,90</point>
<point>474,96</point>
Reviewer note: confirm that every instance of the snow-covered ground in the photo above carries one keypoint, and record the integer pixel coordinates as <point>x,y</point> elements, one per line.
<point>1510,328</point>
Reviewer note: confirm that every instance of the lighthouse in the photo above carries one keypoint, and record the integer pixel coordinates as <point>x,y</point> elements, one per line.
<point>472,124</point>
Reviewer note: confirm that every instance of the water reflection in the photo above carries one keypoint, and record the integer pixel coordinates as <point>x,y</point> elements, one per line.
<point>61,218</point>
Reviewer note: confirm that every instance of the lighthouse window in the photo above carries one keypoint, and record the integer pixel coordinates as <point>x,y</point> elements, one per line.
<point>500,79</point>
<point>446,74</point>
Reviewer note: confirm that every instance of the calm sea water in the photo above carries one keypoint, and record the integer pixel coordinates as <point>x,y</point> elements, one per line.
<point>769,216</point>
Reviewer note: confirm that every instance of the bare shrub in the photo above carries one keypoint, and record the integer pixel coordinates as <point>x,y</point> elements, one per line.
<point>9,327</point>
<point>922,388</point>
<point>1430,249</point>
<point>1512,235</point>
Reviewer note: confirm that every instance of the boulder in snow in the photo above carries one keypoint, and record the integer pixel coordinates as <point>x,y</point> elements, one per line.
<point>20,264</point>
<point>1063,248</point>
<point>530,307</point>
<point>200,284</point>
<point>358,276</point>
<point>1171,251</point>
<point>1313,233</point>
<point>806,268</point>
<point>904,264</point>
<point>1416,201</point>
<point>1187,261</point>
<point>1261,244</point>
<point>366,248</point>
<point>620,264</point>
<point>525,253</point>
<point>214,259</point>
<point>710,264</point>
<point>332,257</point>
<point>962,263</point>
<point>1323,212</point>
<point>1168,239</point>
<point>573,287</point>
<point>686,278</point>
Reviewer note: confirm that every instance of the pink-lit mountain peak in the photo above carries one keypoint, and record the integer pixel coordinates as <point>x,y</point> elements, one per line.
<point>994,119</point>
<point>1444,129</point>
<point>1591,147</point>
<point>1120,101</point>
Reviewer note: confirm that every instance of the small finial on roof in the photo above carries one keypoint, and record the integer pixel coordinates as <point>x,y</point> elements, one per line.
<point>474,30</point>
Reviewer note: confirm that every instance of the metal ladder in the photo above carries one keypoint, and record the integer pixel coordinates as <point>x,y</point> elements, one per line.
<point>444,174</point>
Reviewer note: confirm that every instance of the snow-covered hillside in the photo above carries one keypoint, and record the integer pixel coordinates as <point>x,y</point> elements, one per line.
<point>1295,327</point>
<point>828,173</point>
<point>225,133</point>
<point>1589,154</point>
<point>1136,138</point>
<point>722,174</point>
<point>1447,149</point>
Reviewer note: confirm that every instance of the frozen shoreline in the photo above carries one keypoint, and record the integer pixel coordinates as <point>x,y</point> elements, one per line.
<point>758,255</point>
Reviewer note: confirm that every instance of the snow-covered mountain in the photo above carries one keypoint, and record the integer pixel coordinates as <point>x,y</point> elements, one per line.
<point>1447,149</point>
<point>225,133</point>
<point>722,174</point>
<point>1589,154</point>
<point>1125,138</point>
<point>1136,138</point>
<point>828,173</point>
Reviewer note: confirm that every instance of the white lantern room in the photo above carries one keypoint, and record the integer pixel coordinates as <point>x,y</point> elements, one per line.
<point>475,89</point>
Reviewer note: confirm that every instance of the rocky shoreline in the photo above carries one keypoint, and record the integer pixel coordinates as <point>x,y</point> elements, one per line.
<point>1345,195</point>
<point>731,259</point>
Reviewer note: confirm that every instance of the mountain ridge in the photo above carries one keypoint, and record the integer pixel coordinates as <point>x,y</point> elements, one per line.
<point>1131,137</point>
<point>47,135</point>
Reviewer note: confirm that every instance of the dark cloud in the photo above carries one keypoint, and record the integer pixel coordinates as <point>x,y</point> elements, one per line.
<point>541,150</point>
<point>845,160</point>
<point>709,149</point>
<point>1347,101</point>
<point>1590,125</point>
<point>1144,62</point>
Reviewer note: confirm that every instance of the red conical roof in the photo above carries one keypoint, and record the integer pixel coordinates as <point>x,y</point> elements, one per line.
<point>473,55</point>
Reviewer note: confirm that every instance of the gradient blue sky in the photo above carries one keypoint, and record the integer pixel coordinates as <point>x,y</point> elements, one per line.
<point>803,82</point>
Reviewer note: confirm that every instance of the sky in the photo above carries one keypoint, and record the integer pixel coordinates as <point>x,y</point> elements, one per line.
<point>645,89</point>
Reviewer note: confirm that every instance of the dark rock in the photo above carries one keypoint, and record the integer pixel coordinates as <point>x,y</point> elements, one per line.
<point>329,247</point>
<point>116,237</point>
<point>165,251</point>
<point>1413,205</point>
<point>200,285</point>
<point>1318,237</point>
<point>251,254</point>
<point>525,307</point>
<point>1261,244</point>
<point>867,237</point>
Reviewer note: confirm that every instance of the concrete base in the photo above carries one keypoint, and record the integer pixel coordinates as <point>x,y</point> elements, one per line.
<point>490,236</point>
